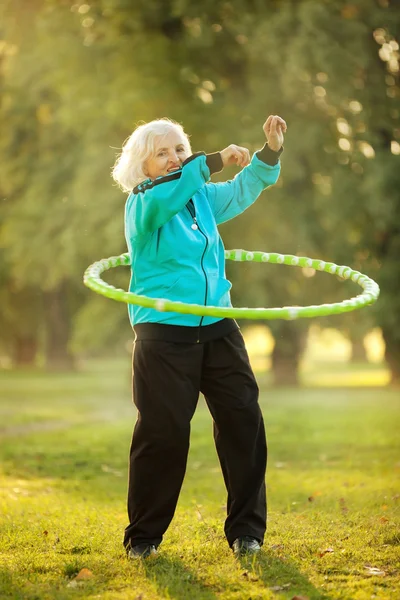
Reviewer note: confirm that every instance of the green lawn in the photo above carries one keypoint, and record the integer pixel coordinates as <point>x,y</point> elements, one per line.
<point>333,481</point>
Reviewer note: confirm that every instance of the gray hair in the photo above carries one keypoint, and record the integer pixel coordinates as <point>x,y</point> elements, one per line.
<point>128,169</point>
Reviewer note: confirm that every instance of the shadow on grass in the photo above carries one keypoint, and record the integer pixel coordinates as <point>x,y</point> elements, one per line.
<point>172,576</point>
<point>280,575</point>
<point>7,588</point>
<point>13,590</point>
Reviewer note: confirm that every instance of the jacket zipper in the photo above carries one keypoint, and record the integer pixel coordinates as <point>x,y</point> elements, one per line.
<point>192,210</point>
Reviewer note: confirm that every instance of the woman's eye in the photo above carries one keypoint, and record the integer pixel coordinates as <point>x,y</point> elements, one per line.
<point>181,149</point>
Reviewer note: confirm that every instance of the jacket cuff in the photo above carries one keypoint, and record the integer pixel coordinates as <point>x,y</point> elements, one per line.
<point>270,157</point>
<point>214,162</point>
<point>192,157</point>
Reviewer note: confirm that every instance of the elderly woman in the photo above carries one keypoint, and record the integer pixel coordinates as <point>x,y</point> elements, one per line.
<point>171,226</point>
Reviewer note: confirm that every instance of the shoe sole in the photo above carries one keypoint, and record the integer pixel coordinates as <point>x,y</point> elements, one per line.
<point>242,553</point>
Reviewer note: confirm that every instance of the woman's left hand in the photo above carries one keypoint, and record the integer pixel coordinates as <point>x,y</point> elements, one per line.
<point>274,128</point>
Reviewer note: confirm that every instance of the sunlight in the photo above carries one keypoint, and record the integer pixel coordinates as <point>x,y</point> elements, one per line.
<point>326,359</point>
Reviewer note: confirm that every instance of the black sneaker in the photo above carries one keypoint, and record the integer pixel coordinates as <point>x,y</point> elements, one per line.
<point>246,545</point>
<point>142,551</point>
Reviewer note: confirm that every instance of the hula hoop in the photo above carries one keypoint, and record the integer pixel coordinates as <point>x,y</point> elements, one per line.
<point>370,293</point>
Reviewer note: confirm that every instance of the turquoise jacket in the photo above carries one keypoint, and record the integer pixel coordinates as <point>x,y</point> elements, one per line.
<point>172,235</point>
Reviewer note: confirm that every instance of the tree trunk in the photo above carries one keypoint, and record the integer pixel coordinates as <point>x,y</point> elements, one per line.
<point>289,344</point>
<point>24,350</point>
<point>392,354</point>
<point>358,351</point>
<point>58,326</point>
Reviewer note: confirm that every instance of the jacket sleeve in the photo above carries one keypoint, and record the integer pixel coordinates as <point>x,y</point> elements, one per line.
<point>152,205</point>
<point>233,197</point>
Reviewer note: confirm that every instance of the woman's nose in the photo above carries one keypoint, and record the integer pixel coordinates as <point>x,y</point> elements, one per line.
<point>173,156</point>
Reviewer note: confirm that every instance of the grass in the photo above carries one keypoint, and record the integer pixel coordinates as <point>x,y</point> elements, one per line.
<point>333,483</point>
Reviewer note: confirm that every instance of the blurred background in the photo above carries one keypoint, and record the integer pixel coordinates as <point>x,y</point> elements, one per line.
<point>77,77</point>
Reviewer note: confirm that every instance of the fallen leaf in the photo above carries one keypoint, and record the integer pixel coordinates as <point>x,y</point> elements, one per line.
<point>280,588</point>
<point>84,574</point>
<point>107,469</point>
<point>375,571</point>
<point>384,519</point>
<point>45,533</point>
<point>300,598</point>
<point>326,551</point>
<point>314,495</point>
<point>249,576</point>
<point>276,546</point>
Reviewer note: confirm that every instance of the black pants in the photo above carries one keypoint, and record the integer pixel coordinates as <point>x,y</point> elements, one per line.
<point>167,379</point>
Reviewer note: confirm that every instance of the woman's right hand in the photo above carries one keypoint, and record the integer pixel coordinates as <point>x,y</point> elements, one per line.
<point>235,155</point>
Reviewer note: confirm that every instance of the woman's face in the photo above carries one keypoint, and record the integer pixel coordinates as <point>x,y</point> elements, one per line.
<point>170,151</point>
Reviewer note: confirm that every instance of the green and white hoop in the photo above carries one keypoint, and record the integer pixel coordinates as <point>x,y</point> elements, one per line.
<point>369,295</point>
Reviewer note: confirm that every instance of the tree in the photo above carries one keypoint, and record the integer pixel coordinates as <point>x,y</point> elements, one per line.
<point>331,69</point>
<point>336,81</point>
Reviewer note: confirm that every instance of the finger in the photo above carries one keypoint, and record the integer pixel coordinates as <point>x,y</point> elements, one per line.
<point>240,155</point>
<point>236,156</point>
<point>279,132</point>
<point>233,154</point>
<point>282,122</point>
<point>267,124</point>
<point>243,156</point>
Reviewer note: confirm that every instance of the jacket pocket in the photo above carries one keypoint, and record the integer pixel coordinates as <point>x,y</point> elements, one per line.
<point>185,289</point>
<point>219,291</point>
